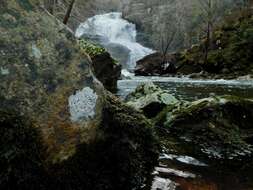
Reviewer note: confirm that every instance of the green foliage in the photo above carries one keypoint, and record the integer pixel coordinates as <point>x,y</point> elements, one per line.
<point>90,48</point>
<point>93,49</point>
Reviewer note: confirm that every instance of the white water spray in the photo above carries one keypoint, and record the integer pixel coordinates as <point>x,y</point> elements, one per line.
<point>110,29</point>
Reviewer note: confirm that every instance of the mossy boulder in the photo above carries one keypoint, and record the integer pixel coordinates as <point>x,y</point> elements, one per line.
<point>219,128</point>
<point>151,99</point>
<point>106,69</point>
<point>120,156</point>
<point>90,48</point>
<point>43,75</point>
<point>122,159</point>
<point>60,129</point>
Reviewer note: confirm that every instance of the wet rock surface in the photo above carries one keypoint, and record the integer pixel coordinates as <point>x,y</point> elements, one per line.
<point>219,128</point>
<point>150,99</point>
<point>206,145</point>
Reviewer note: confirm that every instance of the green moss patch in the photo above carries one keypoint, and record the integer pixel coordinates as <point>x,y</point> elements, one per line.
<point>90,48</point>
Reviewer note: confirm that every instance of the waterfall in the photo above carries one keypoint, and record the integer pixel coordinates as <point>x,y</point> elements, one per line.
<point>117,35</point>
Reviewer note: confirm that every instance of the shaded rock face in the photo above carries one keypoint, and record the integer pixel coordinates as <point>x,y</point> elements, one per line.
<point>219,128</point>
<point>20,152</point>
<point>121,155</point>
<point>106,70</point>
<point>115,161</point>
<point>56,119</point>
<point>150,99</point>
<point>171,64</point>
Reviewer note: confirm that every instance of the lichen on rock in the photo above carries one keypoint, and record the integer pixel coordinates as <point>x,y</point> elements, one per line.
<point>82,104</point>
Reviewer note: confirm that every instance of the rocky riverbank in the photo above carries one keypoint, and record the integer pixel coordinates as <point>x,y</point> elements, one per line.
<point>217,129</point>
<point>229,55</point>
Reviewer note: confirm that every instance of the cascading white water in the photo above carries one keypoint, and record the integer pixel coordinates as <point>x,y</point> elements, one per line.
<point>110,29</point>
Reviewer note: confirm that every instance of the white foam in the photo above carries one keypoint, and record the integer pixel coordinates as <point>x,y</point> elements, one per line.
<point>186,80</point>
<point>113,29</point>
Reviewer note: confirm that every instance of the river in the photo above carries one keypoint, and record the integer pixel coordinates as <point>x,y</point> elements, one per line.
<point>174,172</point>
<point>190,89</point>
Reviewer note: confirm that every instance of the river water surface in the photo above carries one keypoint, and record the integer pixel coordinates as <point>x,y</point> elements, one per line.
<point>181,172</point>
<point>190,89</point>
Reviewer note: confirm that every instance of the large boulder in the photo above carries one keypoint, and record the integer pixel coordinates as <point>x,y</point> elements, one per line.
<point>150,99</point>
<point>44,77</point>
<point>57,122</point>
<point>219,128</point>
<point>106,69</point>
<point>156,64</point>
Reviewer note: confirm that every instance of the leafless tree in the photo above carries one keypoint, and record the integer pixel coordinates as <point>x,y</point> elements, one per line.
<point>169,36</point>
<point>166,38</point>
<point>68,13</point>
<point>209,15</point>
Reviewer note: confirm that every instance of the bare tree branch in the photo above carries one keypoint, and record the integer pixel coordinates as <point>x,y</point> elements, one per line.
<point>66,18</point>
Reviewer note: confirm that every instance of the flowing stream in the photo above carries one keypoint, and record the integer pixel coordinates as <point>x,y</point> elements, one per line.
<point>190,89</point>
<point>174,172</point>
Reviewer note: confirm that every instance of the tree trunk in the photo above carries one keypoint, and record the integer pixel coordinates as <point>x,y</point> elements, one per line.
<point>207,44</point>
<point>66,18</point>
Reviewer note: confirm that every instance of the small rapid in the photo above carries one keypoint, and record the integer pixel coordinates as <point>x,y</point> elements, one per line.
<point>190,89</point>
<point>117,35</point>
